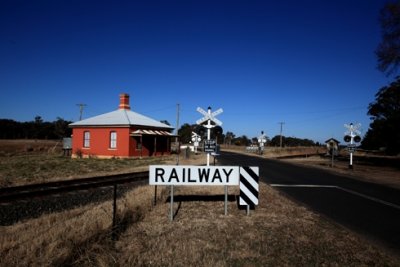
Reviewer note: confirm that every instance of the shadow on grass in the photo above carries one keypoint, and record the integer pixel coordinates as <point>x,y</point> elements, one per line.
<point>102,242</point>
<point>198,198</point>
<point>205,198</point>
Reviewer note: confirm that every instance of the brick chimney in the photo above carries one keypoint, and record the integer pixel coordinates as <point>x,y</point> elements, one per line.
<point>124,101</point>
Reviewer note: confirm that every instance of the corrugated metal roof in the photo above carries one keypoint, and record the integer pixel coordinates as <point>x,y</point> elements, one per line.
<point>121,117</point>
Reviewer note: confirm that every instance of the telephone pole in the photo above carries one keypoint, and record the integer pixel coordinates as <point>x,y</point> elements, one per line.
<point>280,141</point>
<point>81,106</point>
<point>176,133</point>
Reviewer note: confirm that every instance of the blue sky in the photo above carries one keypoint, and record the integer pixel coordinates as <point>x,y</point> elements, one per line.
<point>310,64</point>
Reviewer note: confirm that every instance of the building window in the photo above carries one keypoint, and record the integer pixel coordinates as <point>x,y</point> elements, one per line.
<point>86,139</point>
<point>113,139</point>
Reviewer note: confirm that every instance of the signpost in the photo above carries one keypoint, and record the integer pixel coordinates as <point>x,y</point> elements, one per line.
<point>261,142</point>
<point>208,175</point>
<point>352,135</point>
<point>210,146</point>
<point>209,117</point>
<point>246,177</point>
<point>195,139</point>
<point>193,175</point>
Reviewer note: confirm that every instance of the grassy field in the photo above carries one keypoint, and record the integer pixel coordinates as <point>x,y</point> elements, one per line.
<point>39,168</point>
<point>278,233</point>
<point>30,161</point>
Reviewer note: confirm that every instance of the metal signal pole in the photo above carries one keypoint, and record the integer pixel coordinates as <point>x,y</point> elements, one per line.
<point>176,133</point>
<point>280,141</point>
<point>81,106</point>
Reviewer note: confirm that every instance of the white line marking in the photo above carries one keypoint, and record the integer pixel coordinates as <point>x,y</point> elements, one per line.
<point>340,188</point>
<point>304,185</point>
<point>371,198</point>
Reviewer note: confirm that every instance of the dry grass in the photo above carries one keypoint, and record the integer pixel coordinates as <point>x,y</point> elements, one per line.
<point>39,168</point>
<point>28,146</point>
<point>43,164</point>
<point>273,152</point>
<point>385,175</point>
<point>278,232</point>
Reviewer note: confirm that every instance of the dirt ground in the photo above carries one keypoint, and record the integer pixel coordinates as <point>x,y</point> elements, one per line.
<point>388,176</point>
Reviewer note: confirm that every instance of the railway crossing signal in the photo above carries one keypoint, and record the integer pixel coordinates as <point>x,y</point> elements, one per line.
<point>195,139</point>
<point>352,135</point>
<point>209,117</point>
<point>261,141</point>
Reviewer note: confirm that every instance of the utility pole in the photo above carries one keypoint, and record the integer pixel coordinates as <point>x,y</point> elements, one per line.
<point>176,133</point>
<point>280,142</point>
<point>81,106</point>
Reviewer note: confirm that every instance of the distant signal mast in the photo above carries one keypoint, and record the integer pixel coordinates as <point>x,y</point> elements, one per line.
<point>81,107</point>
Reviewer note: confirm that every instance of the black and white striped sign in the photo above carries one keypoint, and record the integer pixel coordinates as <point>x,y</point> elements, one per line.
<point>248,186</point>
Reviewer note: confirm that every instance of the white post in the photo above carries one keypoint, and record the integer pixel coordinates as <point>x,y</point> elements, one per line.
<point>351,144</point>
<point>171,215</point>
<point>351,152</point>
<point>226,200</point>
<point>208,135</point>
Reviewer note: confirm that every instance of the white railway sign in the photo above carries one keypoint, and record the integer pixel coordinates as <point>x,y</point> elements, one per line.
<point>193,175</point>
<point>173,175</point>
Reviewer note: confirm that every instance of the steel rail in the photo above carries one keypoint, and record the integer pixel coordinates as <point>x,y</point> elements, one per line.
<point>11,194</point>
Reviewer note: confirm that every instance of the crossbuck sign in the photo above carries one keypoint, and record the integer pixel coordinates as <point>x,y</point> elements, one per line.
<point>209,116</point>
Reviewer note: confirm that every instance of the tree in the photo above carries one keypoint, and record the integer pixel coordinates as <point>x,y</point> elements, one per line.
<point>388,51</point>
<point>185,133</point>
<point>384,130</point>
<point>229,136</point>
<point>241,141</point>
<point>254,140</point>
<point>276,140</point>
<point>61,128</point>
<point>291,141</point>
<point>37,129</point>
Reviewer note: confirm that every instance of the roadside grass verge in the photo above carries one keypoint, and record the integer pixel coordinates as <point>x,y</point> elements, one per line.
<point>277,233</point>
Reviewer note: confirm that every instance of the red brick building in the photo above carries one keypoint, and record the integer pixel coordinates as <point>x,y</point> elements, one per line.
<point>120,133</point>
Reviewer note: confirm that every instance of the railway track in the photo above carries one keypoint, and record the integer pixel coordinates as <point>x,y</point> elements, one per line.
<point>13,194</point>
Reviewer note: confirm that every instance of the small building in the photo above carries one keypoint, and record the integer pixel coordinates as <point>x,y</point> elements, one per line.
<point>121,133</point>
<point>332,145</point>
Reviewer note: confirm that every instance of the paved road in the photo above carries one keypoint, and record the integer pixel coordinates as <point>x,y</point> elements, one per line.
<point>369,209</point>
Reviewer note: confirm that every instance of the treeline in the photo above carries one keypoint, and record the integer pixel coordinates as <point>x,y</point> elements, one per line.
<point>36,129</point>
<point>291,141</point>
<point>275,141</point>
<point>229,138</point>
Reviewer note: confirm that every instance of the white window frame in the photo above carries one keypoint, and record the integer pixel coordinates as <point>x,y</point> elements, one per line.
<point>113,139</point>
<point>86,139</point>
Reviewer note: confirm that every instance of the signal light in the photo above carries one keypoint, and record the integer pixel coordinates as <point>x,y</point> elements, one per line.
<point>357,138</point>
<point>347,138</point>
